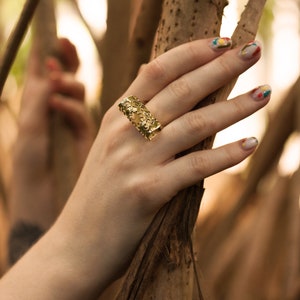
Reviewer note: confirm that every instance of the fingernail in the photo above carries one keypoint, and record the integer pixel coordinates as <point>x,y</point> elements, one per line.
<point>250,50</point>
<point>261,92</point>
<point>249,143</point>
<point>220,43</point>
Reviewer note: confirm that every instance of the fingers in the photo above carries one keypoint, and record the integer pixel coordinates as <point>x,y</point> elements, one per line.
<point>190,129</point>
<point>75,112</point>
<point>174,63</point>
<point>64,83</point>
<point>183,94</point>
<point>196,166</point>
<point>68,55</point>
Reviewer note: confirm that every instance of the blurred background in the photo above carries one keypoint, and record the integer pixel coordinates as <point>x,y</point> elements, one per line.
<point>279,67</point>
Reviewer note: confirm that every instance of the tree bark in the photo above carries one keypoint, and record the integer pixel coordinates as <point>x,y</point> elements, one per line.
<point>164,264</point>
<point>172,260</point>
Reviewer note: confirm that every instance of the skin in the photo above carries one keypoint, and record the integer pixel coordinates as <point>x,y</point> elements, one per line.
<point>127,179</point>
<point>32,188</point>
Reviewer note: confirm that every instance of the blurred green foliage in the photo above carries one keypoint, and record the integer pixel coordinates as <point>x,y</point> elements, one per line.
<point>265,27</point>
<point>10,12</point>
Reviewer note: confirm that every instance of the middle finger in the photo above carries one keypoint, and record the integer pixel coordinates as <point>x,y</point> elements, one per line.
<point>183,94</point>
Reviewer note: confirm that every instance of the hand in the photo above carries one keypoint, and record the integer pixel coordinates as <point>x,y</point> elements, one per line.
<point>57,90</point>
<point>127,179</point>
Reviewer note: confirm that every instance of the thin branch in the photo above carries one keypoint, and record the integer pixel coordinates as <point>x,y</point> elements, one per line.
<point>16,39</point>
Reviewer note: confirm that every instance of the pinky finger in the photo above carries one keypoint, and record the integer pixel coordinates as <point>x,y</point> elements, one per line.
<point>196,166</point>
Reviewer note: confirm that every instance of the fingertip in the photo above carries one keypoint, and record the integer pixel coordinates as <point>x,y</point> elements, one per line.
<point>69,55</point>
<point>249,144</point>
<point>220,44</point>
<point>250,51</point>
<point>261,92</point>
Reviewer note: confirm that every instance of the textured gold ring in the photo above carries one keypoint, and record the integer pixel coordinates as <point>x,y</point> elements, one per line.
<point>140,117</point>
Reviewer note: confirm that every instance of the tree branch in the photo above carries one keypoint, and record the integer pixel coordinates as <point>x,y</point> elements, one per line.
<point>16,39</point>
<point>171,229</point>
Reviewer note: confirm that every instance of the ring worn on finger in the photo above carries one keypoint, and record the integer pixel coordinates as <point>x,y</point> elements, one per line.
<point>140,117</point>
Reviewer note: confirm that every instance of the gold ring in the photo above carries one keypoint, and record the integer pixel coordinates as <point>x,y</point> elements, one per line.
<point>140,117</point>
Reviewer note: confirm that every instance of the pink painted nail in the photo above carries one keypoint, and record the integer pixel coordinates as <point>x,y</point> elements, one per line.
<point>261,92</point>
<point>250,50</point>
<point>220,43</point>
<point>249,143</point>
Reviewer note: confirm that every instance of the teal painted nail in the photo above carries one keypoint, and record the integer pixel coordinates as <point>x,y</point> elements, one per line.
<point>250,50</point>
<point>261,92</point>
<point>221,43</point>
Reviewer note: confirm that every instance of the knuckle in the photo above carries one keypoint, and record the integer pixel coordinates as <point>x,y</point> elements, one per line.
<point>180,88</point>
<point>143,185</point>
<point>238,108</point>
<point>196,121</point>
<point>154,70</point>
<point>231,156</point>
<point>108,117</point>
<point>193,51</point>
<point>200,165</point>
<point>225,67</point>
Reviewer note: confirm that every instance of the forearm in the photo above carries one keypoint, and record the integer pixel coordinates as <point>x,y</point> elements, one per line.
<point>31,192</point>
<point>49,270</point>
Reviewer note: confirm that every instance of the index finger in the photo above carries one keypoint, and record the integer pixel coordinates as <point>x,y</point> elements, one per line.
<point>174,63</point>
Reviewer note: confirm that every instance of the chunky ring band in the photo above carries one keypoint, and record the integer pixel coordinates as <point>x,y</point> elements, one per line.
<point>140,117</point>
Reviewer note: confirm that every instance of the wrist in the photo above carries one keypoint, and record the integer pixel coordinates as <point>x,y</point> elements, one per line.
<point>100,244</point>
<point>47,272</point>
<point>82,260</point>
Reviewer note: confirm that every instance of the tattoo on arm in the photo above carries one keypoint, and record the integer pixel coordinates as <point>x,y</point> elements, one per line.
<point>21,237</point>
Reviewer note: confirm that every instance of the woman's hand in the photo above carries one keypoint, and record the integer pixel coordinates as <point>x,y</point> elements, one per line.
<point>55,89</point>
<point>127,179</point>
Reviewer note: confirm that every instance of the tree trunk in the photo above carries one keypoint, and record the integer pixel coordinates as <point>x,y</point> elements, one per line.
<point>113,51</point>
<point>144,21</point>
<point>62,151</point>
<point>164,266</point>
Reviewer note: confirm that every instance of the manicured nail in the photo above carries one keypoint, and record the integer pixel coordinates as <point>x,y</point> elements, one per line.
<point>250,50</point>
<point>249,143</point>
<point>221,43</point>
<point>261,92</point>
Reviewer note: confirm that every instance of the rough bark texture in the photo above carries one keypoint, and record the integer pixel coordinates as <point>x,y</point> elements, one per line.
<point>183,21</point>
<point>163,267</point>
<point>62,150</point>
